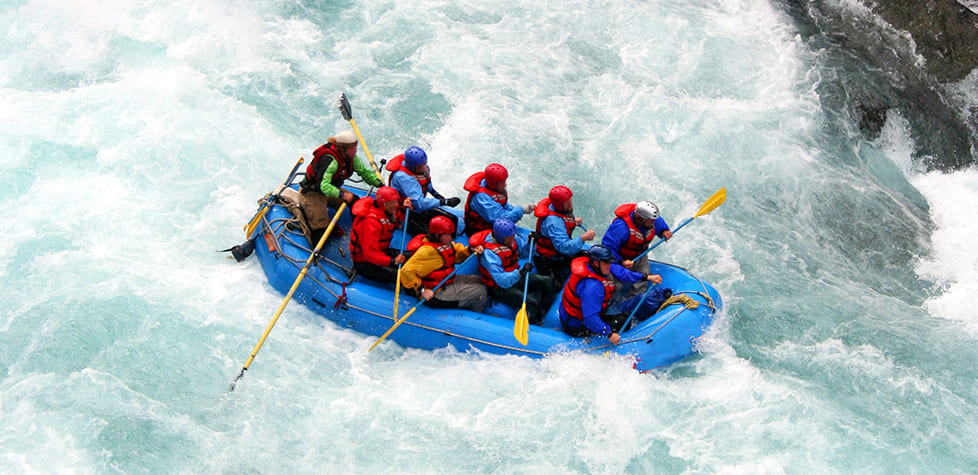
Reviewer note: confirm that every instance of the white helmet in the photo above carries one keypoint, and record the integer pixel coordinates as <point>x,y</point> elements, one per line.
<point>346,137</point>
<point>646,210</point>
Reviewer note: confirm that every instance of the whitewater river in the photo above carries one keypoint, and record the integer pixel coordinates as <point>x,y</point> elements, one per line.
<point>137,136</point>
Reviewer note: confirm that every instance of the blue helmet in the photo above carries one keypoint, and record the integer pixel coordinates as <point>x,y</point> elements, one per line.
<point>414,156</point>
<point>600,253</point>
<point>503,228</point>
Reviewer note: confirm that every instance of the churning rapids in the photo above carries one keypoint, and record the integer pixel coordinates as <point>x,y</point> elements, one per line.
<point>137,137</point>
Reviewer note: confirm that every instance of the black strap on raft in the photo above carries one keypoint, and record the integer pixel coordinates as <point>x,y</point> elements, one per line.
<point>241,251</point>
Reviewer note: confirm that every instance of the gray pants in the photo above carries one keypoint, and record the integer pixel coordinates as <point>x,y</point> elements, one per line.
<point>466,292</point>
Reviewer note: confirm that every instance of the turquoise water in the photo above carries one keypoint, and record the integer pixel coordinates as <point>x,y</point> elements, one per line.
<point>137,137</point>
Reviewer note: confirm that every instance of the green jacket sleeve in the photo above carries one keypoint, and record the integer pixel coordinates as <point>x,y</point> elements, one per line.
<point>328,189</point>
<point>366,172</point>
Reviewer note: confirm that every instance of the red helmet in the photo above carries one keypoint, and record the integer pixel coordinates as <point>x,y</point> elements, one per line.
<point>385,194</point>
<point>496,175</point>
<point>441,225</point>
<point>559,196</point>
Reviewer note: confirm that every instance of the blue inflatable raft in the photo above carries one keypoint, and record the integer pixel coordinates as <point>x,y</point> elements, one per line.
<point>332,289</point>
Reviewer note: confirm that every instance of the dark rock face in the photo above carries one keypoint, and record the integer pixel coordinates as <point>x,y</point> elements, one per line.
<point>945,31</point>
<point>870,68</point>
<point>872,118</point>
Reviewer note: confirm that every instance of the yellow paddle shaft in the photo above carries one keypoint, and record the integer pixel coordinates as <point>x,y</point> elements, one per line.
<point>295,285</point>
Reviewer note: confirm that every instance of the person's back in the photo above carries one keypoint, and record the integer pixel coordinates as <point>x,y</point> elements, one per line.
<point>375,220</point>
<point>628,236</point>
<point>499,268</point>
<point>555,226</point>
<point>411,177</point>
<point>488,200</point>
<point>635,225</point>
<point>321,188</point>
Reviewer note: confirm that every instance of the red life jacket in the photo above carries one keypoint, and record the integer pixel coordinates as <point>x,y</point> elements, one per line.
<point>580,271</point>
<point>364,209</point>
<point>447,252</point>
<point>396,164</point>
<point>545,247</point>
<point>415,243</point>
<point>637,240</point>
<point>322,157</point>
<point>473,221</point>
<point>509,256</point>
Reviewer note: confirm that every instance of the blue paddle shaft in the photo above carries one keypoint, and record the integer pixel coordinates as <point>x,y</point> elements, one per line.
<point>449,276</point>
<point>661,240</point>
<point>640,302</point>
<point>407,214</point>
<point>526,284</point>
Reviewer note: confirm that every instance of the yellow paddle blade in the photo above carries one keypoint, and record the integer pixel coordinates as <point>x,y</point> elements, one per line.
<point>711,204</point>
<point>250,227</point>
<point>521,326</point>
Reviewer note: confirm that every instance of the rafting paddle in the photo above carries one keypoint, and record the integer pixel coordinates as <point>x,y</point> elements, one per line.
<point>250,227</point>
<point>641,301</point>
<point>521,327</point>
<point>347,112</point>
<point>288,296</point>
<point>399,321</point>
<point>397,285</point>
<point>709,205</point>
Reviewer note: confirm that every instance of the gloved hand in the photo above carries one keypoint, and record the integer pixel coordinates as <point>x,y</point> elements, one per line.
<point>453,201</point>
<point>526,269</point>
<point>534,236</point>
<point>528,208</point>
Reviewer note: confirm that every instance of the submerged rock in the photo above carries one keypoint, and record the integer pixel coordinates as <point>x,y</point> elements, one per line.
<point>872,118</point>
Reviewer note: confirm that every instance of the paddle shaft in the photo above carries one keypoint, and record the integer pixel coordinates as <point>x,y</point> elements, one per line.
<point>366,150</point>
<point>634,310</point>
<point>662,240</point>
<point>397,285</point>
<point>250,227</point>
<point>347,112</point>
<point>526,283</point>
<point>521,322</point>
<point>708,206</point>
<point>399,321</point>
<point>288,296</point>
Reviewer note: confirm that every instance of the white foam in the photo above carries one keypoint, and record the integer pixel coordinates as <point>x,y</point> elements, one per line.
<point>954,262</point>
<point>667,101</point>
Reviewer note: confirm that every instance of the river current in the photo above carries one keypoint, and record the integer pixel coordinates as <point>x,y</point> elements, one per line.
<point>138,136</point>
